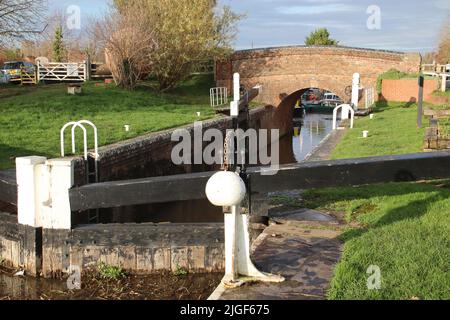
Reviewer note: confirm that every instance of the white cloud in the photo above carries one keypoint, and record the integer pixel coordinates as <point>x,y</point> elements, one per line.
<point>318,9</point>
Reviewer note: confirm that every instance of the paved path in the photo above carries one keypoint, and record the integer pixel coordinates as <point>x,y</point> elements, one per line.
<point>326,147</point>
<point>302,247</point>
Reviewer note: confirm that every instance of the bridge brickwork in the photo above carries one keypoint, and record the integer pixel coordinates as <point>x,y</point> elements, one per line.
<point>286,70</point>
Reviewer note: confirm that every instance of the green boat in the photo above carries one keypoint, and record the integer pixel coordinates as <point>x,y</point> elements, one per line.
<point>317,108</point>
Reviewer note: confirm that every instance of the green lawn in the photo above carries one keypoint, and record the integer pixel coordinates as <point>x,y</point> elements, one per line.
<point>442,94</point>
<point>31,117</point>
<point>403,228</point>
<point>393,130</point>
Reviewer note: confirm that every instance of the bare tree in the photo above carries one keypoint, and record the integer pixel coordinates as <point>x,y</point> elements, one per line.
<point>128,41</point>
<point>187,32</point>
<point>20,19</point>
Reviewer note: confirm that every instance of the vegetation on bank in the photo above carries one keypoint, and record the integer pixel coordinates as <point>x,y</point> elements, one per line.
<point>394,74</point>
<point>393,130</point>
<point>110,272</point>
<point>33,116</point>
<point>442,94</point>
<point>403,228</point>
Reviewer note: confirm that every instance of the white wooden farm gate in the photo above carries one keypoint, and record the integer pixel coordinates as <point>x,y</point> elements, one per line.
<point>56,71</point>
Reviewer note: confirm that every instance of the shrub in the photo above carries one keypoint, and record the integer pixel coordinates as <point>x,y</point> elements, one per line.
<point>110,272</point>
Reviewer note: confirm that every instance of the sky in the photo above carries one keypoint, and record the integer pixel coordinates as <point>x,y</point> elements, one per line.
<point>399,25</point>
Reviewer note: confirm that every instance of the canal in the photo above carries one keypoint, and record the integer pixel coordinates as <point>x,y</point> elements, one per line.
<point>308,133</point>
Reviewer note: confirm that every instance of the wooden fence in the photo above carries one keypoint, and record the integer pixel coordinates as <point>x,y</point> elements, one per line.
<point>28,77</point>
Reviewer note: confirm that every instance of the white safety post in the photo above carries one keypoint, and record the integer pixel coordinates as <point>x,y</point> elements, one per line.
<point>80,124</point>
<point>234,107</point>
<point>56,209</point>
<point>74,124</point>
<point>43,192</point>
<point>236,87</point>
<point>95,135</point>
<point>346,109</point>
<point>355,90</point>
<point>227,189</point>
<point>28,175</point>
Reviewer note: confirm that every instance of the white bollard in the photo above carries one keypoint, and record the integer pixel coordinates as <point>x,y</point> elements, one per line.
<point>444,82</point>
<point>371,116</point>
<point>28,173</point>
<point>365,134</point>
<point>127,127</point>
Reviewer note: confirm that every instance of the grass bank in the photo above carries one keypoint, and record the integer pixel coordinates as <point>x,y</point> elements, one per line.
<point>31,117</point>
<point>403,228</point>
<point>393,130</point>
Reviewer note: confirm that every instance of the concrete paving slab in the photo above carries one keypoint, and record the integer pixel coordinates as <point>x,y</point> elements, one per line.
<point>304,256</point>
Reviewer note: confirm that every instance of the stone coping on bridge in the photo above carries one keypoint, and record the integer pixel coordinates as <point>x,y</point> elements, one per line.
<point>316,47</point>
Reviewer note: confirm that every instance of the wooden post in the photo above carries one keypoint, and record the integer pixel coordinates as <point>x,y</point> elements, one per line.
<point>420,102</point>
<point>37,72</point>
<point>88,69</point>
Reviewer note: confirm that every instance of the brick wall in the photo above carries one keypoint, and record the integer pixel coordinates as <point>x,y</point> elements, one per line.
<point>407,89</point>
<point>283,71</point>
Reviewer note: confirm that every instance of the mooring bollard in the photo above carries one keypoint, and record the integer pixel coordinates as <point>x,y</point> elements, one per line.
<point>228,189</point>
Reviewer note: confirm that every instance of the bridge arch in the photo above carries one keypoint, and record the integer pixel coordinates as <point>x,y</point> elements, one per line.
<point>282,70</point>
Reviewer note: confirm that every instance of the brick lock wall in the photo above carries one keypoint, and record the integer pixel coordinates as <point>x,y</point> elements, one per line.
<point>407,89</point>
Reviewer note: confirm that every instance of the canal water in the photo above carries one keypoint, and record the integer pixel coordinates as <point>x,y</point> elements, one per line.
<point>309,132</point>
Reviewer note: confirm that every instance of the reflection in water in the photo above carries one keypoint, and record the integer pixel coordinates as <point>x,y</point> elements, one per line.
<point>308,134</point>
<point>27,288</point>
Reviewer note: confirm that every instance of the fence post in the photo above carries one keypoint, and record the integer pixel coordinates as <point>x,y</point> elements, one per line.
<point>28,176</point>
<point>88,69</point>
<point>38,73</point>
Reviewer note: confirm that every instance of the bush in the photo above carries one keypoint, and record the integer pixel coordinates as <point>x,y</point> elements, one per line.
<point>110,272</point>
<point>393,74</point>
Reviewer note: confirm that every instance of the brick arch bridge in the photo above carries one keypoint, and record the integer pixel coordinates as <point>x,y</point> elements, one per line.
<point>284,71</point>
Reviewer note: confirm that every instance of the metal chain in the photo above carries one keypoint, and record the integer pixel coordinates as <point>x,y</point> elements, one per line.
<point>227,153</point>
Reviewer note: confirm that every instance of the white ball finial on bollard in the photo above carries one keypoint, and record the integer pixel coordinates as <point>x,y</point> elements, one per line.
<point>225,188</point>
